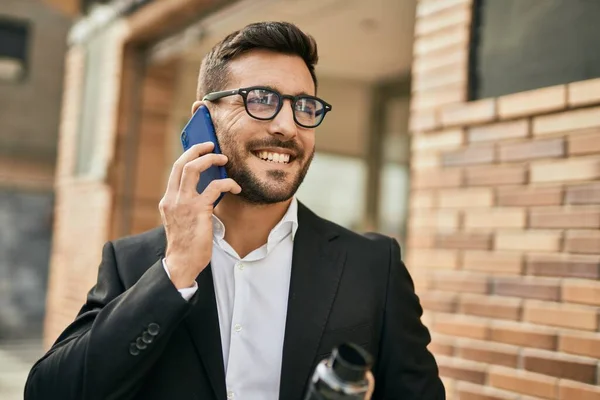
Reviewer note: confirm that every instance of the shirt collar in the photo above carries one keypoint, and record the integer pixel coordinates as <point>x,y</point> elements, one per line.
<point>287,225</point>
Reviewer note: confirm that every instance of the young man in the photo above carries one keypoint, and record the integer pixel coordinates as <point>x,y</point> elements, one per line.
<point>243,300</point>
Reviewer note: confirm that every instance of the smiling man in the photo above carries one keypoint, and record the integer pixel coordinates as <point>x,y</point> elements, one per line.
<point>241,301</point>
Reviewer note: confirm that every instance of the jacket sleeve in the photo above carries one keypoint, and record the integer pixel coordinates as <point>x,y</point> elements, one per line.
<point>405,368</point>
<point>116,338</point>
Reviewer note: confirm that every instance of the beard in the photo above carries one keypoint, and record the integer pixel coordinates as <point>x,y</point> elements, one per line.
<point>257,191</point>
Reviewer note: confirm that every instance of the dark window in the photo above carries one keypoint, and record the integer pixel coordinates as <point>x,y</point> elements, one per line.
<point>14,35</point>
<point>520,45</point>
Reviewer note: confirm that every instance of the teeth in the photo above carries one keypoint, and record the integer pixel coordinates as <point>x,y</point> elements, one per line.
<point>274,157</point>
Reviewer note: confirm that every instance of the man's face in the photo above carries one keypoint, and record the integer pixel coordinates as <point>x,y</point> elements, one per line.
<point>247,141</point>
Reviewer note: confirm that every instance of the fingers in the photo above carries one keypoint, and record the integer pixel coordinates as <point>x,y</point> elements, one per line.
<point>176,172</point>
<point>193,169</point>
<point>371,381</point>
<point>215,188</point>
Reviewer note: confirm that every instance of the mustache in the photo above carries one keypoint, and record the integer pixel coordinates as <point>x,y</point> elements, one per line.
<point>274,142</point>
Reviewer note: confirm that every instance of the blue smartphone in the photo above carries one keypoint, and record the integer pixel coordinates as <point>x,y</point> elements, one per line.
<point>200,129</point>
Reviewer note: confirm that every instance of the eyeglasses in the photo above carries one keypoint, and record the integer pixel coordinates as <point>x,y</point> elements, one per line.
<point>264,104</point>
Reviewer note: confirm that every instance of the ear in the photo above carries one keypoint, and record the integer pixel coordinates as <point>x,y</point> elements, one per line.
<point>196,106</point>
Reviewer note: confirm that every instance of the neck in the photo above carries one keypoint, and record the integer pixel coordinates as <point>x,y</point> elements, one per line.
<point>247,226</point>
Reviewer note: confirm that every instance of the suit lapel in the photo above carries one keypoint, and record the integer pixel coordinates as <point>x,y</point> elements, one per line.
<point>316,270</point>
<point>203,326</point>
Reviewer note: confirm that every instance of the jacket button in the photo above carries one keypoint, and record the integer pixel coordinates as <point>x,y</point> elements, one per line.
<point>133,350</point>
<point>147,337</point>
<point>139,343</point>
<point>153,329</point>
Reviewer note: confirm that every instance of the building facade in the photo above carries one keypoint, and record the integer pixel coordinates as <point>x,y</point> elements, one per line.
<point>32,53</point>
<point>491,188</point>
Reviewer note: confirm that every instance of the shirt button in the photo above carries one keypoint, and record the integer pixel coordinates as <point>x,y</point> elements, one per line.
<point>230,394</point>
<point>237,327</point>
<point>240,266</point>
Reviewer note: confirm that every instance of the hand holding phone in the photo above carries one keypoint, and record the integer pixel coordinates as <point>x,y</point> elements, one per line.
<point>186,209</point>
<point>200,129</point>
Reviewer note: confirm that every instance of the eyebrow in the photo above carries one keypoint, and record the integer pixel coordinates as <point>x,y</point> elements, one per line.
<point>301,93</point>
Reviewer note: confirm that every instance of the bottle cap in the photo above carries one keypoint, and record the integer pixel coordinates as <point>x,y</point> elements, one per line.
<point>350,362</point>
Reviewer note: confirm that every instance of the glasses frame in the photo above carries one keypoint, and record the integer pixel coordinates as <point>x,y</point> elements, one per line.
<point>293,99</point>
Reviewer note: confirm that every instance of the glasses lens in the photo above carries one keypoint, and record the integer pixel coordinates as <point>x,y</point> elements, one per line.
<point>309,111</point>
<point>262,103</point>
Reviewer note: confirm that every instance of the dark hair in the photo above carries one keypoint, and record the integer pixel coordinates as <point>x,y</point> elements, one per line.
<point>279,37</point>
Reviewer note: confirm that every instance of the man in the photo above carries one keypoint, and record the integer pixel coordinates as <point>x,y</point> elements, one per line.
<point>243,300</point>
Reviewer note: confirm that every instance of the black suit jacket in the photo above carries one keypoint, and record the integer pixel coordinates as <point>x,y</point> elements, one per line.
<point>137,338</point>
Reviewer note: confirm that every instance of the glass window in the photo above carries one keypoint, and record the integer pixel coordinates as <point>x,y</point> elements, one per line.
<point>14,36</point>
<point>523,45</point>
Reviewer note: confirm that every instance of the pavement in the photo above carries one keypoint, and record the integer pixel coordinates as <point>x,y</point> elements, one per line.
<point>16,359</point>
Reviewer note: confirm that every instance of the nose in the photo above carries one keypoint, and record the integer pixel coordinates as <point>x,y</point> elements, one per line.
<point>283,124</point>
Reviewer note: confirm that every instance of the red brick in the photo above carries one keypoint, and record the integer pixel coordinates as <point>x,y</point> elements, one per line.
<point>574,169</point>
<point>447,18</point>
<point>423,120</point>
<point>422,199</point>
<point>560,365</point>
<point>490,306</point>
<point>440,345</point>
<point>428,8</point>
<point>439,301</point>
<point>583,292</point>
<point>494,218</point>
<point>521,196</point>
<point>587,193</point>
<point>565,217</point>
<point>587,242</point>
<point>532,102</point>
<point>523,382</point>
<point>469,156</point>
<point>443,77</point>
<point>460,282</point>
<point>527,287</point>
<point>420,240</point>
<point>442,140</point>
<point>469,391</point>
<point>422,161</point>
<point>461,326</point>
<point>567,121</point>
<point>526,335</point>
<point>437,179</point>
<point>461,370</point>
<point>496,175</point>
<point>443,220</point>
<point>564,265</point>
<point>432,99</point>
<point>473,241</point>
<point>468,113</point>
<point>529,240</point>
<point>493,262</point>
<point>580,343</point>
<point>584,92</point>
<point>488,352</point>
<point>441,40</point>
<point>531,150</point>
<point>561,315</point>
<point>449,56</point>
<point>466,198</point>
<point>432,258</point>
<point>498,131</point>
<point>577,391</point>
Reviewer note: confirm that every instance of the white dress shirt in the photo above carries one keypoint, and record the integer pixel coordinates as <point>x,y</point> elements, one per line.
<point>252,296</point>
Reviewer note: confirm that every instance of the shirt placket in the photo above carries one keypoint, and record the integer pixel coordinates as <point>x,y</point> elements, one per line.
<point>238,327</point>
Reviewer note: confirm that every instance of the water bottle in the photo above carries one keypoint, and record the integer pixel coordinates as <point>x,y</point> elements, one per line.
<point>343,376</point>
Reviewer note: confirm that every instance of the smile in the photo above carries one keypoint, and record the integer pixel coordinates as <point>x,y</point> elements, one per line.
<point>273,157</point>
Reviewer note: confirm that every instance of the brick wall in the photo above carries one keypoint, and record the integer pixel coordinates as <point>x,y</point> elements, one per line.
<point>504,230</point>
